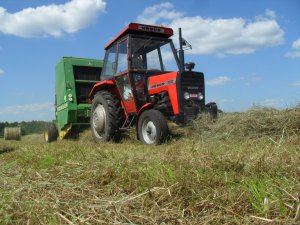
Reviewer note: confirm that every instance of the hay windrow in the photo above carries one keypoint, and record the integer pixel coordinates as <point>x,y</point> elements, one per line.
<point>255,123</point>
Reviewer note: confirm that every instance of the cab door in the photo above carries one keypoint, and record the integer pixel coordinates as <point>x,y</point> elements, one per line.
<point>122,77</point>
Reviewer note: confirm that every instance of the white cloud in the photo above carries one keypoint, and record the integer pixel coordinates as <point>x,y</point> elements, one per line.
<point>51,20</point>
<point>296,83</point>
<point>296,44</point>
<point>225,100</point>
<point>248,80</point>
<point>295,53</point>
<point>218,36</point>
<point>270,13</point>
<point>155,13</point>
<point>23,109</point>
<point>1,71</point>
<point>272,102</point>
<point>218,81</point>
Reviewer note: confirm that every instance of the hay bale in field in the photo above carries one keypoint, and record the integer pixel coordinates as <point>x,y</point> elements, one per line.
<point>12,133</point>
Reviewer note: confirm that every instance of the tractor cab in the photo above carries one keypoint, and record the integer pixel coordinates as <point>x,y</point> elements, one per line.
<point>138,52</point>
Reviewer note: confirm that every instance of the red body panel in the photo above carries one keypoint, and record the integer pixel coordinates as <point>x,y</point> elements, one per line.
<point>108,84</point>
<point>154,30</point>
<point>129,106</point>
<point>165,82</point>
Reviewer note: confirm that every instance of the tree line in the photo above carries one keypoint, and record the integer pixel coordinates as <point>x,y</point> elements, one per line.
<point>33,127</point>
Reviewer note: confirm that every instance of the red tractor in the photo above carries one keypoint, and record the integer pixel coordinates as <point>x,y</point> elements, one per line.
<point>144,83</point>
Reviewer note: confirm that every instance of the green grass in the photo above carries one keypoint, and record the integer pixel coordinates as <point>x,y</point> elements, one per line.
<point>242,169</point>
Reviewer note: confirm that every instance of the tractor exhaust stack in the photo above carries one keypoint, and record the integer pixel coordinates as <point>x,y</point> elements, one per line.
<point>181,51</point>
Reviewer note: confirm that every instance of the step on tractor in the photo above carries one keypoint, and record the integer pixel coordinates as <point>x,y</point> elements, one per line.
<point>144,83</point>
<point>75,78</point>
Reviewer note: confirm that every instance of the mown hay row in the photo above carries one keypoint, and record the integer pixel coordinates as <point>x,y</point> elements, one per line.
<point>256,122</point>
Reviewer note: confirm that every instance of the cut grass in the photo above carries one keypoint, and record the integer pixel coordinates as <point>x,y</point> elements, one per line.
<point>242,169</point>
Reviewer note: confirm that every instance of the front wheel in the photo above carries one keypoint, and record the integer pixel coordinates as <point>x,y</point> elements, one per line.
<point>50,133</point>
<point>104,117</point>
<point>152,127</point>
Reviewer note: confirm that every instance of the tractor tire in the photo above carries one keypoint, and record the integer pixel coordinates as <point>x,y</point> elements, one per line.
<point>105,117</point>
<point>50,133</point>
<point>213,110</point>
<point>152,127</point>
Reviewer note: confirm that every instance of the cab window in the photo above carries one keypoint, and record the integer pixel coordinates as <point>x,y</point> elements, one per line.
<point>110,63</point>
<point>122,57</point>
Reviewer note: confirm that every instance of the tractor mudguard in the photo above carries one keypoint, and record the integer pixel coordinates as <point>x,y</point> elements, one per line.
<point>108,85</point>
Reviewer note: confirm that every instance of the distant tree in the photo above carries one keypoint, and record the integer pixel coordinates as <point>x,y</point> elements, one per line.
<point>33,127</point>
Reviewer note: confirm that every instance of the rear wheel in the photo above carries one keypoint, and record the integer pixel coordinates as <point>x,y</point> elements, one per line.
<point>50,132</point>
<point>152,127</point>
<point>213,110</point>
<point>104,117</point>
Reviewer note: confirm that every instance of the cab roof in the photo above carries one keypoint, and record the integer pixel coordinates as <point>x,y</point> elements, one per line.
<point>137,28</point>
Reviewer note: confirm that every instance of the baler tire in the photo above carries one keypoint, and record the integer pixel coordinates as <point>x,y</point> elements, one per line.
<point>152,127</point>
<point>50,133</point>
<point>109,129</point>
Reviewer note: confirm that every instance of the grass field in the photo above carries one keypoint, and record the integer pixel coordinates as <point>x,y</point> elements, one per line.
<point>242,169</point>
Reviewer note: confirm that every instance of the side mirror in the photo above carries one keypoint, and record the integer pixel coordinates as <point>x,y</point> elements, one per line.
<point>189,66</point>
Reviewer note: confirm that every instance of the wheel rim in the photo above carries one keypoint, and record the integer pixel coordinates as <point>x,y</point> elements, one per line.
<point>46,136</point>
<point>99,120</point>
<point>149,132</point>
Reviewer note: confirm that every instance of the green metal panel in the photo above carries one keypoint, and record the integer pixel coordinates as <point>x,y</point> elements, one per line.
<point>74,79</point>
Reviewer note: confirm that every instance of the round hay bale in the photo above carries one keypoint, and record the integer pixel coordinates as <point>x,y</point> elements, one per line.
<point>12,133</point>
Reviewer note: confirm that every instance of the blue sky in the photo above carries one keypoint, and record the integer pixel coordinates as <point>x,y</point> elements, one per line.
<point>249,51</point>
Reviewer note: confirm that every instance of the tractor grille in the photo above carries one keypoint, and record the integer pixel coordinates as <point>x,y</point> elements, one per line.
<point>190,113</point>
<point>192,83</point>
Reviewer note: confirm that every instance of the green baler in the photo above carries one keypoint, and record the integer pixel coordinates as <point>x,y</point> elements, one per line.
<point>75,78</point>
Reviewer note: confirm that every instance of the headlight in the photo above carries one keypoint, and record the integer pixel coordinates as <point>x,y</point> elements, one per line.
<point>186,95</point>
<point>200,96</point>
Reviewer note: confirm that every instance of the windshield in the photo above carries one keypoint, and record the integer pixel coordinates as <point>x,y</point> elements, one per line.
<point>153,54</point>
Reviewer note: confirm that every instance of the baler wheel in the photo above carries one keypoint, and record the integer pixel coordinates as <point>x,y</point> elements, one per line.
<point>50,133</point>
<point>104,117</point>
<point>152,127</point>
